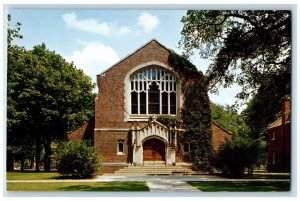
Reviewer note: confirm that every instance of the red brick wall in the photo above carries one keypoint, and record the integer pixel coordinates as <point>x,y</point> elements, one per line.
<point>218,136</point>
<point>77,134</point>
<point>106,145</point>
<point>109,107</point>
<point>281,146</point>
<point>84,131</point>
<point>110,169</point>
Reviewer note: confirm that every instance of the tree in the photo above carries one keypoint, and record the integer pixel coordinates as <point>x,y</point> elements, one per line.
<point>265,106</point>
<point>47,97</point>
<point>18,144</point>
<point>240,154</point>
<point>247,47</point>
<point>71,156</point>
<point>228,118</point>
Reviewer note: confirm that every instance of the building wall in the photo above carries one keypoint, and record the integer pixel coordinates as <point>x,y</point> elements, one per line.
<point>281,147</point>
<point>83,132</point>
<point>219,136</point>
<point>109,106</point>
<point>110,110</point>
<point>106,145</point>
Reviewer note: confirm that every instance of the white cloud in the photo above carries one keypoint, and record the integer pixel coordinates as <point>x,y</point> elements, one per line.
<point>148,21</point>
<point>93,58</point>
<point>94,26</point>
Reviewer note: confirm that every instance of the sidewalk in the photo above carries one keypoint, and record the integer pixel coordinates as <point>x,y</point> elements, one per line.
<point>166,183</point>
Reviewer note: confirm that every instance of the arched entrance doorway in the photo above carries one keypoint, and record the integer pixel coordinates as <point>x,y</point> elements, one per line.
<point>154,150</point>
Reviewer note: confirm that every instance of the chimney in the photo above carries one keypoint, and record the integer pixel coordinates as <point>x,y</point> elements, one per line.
<point>285,108</point>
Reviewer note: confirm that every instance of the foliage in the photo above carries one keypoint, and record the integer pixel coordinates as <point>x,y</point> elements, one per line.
<point>77,159</point>
<point>240,154</point>
<point>183,66</point>
<point>168,120</point>
<point>197,119</point>
<point>228,118</point>
<point>13,33</point>
<point>247,46</point>
<point>46,97</point>
<point>196,114</point>
<point>265,106</point>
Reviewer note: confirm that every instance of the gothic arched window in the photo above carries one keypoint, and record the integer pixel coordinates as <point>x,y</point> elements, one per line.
<point>153,91</point>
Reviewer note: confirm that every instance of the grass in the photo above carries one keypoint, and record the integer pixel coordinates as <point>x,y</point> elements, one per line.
<point>77,186</point>
<point>263,176</point>
<point>30,175</point>
<point>241,186</point>
<point>269,176</point>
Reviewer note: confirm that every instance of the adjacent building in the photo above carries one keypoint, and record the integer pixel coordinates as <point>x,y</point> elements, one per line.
<point>279,140</point>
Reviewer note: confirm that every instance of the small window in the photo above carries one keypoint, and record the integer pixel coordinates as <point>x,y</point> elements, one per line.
<point>120,147</point>
<point>273,135</point>
<point>186,147</point>
<point>273,158</point>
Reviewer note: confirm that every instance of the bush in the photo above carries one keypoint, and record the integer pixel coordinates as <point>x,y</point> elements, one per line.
<point>239,155</point>
<point>77,159</point>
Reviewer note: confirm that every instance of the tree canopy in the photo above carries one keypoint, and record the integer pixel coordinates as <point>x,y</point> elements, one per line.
<point>249,47</point>
<point>246,46</point>
<point>229,119</point>
<point>46,97</point>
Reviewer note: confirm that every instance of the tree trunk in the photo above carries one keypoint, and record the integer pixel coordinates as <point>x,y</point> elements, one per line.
<point>22,163</point>
<point>47,158</point>
<point>10,161</point>
<point>32,162</point>
<point>38,154</point>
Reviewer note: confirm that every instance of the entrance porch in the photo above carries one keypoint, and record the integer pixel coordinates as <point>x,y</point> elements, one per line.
<point>154,144</point>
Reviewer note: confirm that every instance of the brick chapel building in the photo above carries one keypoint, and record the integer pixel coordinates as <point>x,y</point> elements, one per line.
<point>279,140</point>
<point>140,86</point>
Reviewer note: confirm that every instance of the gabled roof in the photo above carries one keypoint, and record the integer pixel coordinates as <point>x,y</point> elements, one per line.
<point>276,123</point>
<point>229,133</point>
<point>153,40</point>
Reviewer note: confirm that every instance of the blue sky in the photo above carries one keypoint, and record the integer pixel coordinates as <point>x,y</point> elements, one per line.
<point>96,39</point>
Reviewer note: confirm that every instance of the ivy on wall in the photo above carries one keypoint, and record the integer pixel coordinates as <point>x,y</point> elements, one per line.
<point>196,114</point>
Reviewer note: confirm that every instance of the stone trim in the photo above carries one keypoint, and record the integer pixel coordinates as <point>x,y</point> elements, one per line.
<point>127,87</point>
<point>112,129</point>
<point>114,164</point>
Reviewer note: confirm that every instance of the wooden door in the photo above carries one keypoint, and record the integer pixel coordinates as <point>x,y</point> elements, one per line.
<point>154,150</point>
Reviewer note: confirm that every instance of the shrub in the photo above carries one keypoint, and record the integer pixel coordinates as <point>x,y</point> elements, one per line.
<point>77,159</point>
<point>238,155</point>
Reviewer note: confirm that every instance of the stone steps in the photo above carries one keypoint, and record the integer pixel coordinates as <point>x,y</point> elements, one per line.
<point>154,170</point>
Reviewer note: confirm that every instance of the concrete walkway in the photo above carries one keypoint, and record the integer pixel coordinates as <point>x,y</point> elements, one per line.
<point>169,185</point>
<point>166,183</point>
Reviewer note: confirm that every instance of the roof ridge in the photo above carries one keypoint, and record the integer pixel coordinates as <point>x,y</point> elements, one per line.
<point>221,127</point>
<point>127,56</point>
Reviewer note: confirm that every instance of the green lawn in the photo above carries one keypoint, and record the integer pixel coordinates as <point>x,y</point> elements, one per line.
<point>30,175</point>
<point>241,186</point>
<point>269,176</point>
<point>77,186</point>
<point>262,176</point>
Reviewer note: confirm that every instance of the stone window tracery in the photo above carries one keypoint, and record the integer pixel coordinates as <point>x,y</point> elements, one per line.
<point>153,91</point>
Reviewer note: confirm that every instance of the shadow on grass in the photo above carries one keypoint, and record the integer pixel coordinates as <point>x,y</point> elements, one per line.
<point>108,186</point>
<point>242,186</point>
<point>258,176</point>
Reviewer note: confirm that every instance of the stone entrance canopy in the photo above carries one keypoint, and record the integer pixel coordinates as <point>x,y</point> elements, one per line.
<point>154,130</point>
